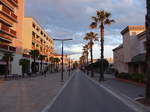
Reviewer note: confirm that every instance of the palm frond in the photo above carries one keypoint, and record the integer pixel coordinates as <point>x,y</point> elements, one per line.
<point>94,19</point>
<point>93,25</point>
<point>109,22</point>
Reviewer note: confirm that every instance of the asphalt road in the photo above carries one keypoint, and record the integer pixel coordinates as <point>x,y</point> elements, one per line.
<point>82,95</point>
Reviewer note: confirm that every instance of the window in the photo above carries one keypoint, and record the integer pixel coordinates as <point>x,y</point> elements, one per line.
<point>41,33</point>
<point>37,29</point>
<point>37,36</point>
<point>37,45</point>
<point>41,40</point>
<point>33,43</point>
<point>41,48</point>
<point>33,25</point>
<point>133,33</point>
<point>33,34</point>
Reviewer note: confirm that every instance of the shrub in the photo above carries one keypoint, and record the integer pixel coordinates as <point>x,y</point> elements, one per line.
<point>124,75</point>
<point>138,77</point>
<point>134,77</point>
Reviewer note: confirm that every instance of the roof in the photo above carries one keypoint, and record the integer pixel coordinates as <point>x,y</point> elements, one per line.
<point>119,47</point>
<point>133,27</point>
<point>138,58</point>
<point>142,35</point>
<point>55,54</point>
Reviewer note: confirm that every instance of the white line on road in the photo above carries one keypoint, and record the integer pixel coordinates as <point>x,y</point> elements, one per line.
<point>55,98</point>
<point>123,98</point>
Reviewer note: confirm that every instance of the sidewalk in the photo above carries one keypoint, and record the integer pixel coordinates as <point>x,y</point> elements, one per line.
<point>130,90</point>
<point>29,95</point>
<point>126,92</point>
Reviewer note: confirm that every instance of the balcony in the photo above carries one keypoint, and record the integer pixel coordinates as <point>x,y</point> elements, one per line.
<point>14,2</point>
<point>5,29</point>
<point>36,40</point>
<point>7,48</point>
<point>5,20</point>
<point>10,14</point>
<point>5,38</point>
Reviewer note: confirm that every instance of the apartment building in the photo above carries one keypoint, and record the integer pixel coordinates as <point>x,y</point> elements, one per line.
<point>35,38</point>
<point>129,57</point>
<point>11,18</point>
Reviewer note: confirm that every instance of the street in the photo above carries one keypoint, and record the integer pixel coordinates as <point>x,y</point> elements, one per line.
<point>82,95</point>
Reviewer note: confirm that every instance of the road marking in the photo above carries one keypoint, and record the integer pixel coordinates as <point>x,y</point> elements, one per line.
<point>59,93</point>
<point>123,98</point>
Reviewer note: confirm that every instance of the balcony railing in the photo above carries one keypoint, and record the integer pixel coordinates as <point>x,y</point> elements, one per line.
<point>7,48</point>
<point>15,2</point>
<point>7,30</point>
<point>8,13</point>
<point>6,38</point>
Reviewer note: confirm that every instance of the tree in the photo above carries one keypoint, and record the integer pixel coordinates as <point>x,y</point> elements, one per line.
<point>25,66</point>
<point>82,61</point>
<point>34,54</point>
<point>85,52</point>
<point>8,58</point>
<point>148,52</point>
<point>41,58</point>
<point>91,36</point>
<point>56,60</point>
<point>51,59</point>
<point>97,65</point>
<point>101,19</point>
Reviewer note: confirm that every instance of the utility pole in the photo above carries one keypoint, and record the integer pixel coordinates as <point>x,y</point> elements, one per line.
<point>62,56</point>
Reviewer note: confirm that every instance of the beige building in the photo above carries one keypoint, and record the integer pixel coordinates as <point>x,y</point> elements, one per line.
<point>11,19</point>
<point>130,55</point>
<point>35,37</point>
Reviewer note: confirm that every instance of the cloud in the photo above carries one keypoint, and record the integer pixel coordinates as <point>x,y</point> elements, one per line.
<point>71,19</point>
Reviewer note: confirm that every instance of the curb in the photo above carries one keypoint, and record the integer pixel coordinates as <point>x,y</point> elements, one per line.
<point>50,104</point>
<point>137,107</point>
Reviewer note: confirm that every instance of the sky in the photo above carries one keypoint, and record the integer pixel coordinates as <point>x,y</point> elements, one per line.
<point>71,19</point>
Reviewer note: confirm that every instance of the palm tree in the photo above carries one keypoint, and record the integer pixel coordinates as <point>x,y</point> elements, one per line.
<point>101,19</point>
<point>41,58</point>
<point>82,61</point>
<point>57,60</point>
<point>51,59</point>
<point>85,51</point>
<point>34,54</point>
<point>91,36</point>
<point>25,66</point>
<point>148,52</point>
<point>8,58</point>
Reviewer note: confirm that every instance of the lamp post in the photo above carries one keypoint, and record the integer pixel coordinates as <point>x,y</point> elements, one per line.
<point>62,56</point>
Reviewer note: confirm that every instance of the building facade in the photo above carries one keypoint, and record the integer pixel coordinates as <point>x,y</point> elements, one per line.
<point>35,38</point>
<point>11,19</point>
<point>130,55</point>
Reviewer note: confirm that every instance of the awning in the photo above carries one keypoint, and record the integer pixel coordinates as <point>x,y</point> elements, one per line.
<point>140,58</point>
<point>2,63</point>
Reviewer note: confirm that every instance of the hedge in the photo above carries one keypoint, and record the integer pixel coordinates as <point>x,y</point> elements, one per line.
<point>137,77</point>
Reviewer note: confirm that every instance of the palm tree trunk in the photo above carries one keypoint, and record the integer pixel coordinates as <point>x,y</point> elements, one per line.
<point>102,53</point>
<point>92,73</point>
<point>148,52</point>
<point>87,65</point>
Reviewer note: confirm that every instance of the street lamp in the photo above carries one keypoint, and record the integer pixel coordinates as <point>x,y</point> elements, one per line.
<point>62,55</point>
